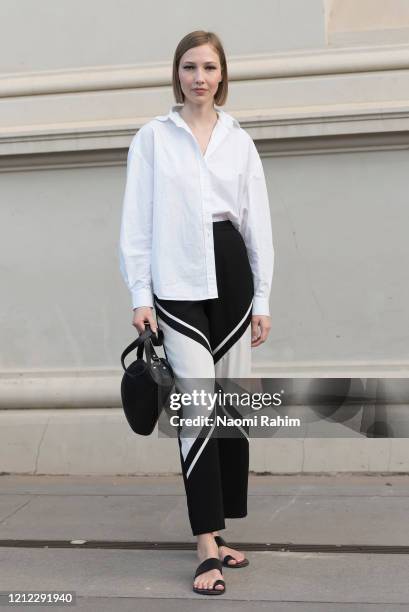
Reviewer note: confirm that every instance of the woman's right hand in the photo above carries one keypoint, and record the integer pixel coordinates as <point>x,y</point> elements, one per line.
<point>141,315</point>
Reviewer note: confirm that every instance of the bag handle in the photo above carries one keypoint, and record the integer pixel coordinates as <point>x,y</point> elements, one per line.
<point>141,343</point>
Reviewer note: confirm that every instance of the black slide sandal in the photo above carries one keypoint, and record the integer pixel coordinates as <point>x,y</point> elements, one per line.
<point>220,542</point>
<point>205,566</point>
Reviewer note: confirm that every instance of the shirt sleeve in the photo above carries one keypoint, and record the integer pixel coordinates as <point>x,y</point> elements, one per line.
<point>135,243</point>
<point>255,227</point>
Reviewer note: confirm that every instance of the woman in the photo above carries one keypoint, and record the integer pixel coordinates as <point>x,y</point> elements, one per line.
<point>196,245</point>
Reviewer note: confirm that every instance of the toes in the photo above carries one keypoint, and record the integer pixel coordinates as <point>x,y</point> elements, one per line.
<point>209,585</point>
<point>234,554</point>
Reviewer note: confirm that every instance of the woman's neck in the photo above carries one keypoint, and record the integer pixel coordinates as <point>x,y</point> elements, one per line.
<point>198,116</point>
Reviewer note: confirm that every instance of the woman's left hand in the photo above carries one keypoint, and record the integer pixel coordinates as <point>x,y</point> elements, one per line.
<point>260,328</point>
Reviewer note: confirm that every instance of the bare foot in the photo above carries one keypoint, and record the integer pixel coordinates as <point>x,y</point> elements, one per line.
<point>206,548</point>
<point>226,550</point>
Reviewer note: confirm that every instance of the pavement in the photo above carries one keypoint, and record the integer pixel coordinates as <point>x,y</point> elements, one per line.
<point>316,543</point>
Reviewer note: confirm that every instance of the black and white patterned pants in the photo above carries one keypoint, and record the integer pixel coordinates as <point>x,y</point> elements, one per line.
<point>211,339</point>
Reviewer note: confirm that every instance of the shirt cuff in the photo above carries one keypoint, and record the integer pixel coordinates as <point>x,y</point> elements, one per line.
<point>142,297</point>
<point>261,306</point>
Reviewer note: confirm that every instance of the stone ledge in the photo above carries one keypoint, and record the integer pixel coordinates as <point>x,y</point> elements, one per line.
<point>100,442</point>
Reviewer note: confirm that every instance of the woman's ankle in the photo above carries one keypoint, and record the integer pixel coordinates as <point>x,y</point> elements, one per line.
<point>206,543</point>
<point>203,538</point>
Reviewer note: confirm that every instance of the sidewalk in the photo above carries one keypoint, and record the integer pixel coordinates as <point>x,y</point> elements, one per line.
<point>118,516</point>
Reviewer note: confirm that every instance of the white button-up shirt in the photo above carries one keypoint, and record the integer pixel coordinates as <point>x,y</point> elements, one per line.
<point>173,194</point>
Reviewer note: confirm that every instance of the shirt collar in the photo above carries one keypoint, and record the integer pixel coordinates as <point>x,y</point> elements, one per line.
<point>225,119</point>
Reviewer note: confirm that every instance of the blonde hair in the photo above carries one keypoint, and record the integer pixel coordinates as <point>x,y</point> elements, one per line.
<point>195,39</point>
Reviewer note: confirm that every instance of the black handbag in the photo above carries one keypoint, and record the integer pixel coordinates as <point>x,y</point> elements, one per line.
<point>146,385</point>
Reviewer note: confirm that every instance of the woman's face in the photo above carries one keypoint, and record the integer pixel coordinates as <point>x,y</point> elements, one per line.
<point>200,68</point>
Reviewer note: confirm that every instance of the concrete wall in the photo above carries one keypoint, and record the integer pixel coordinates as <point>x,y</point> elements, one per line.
<point>322,87</point>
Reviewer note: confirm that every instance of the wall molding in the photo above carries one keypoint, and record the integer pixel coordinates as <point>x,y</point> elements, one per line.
<point>100,387</point>
<point>241,68</point>
<point>306,95</point>
<point>285,145</point>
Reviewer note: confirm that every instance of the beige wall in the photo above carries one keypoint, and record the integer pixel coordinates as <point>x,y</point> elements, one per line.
<point>323,88</point>
<point>370,21</point>
<point>51,35</point>
<point>368,14</point>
